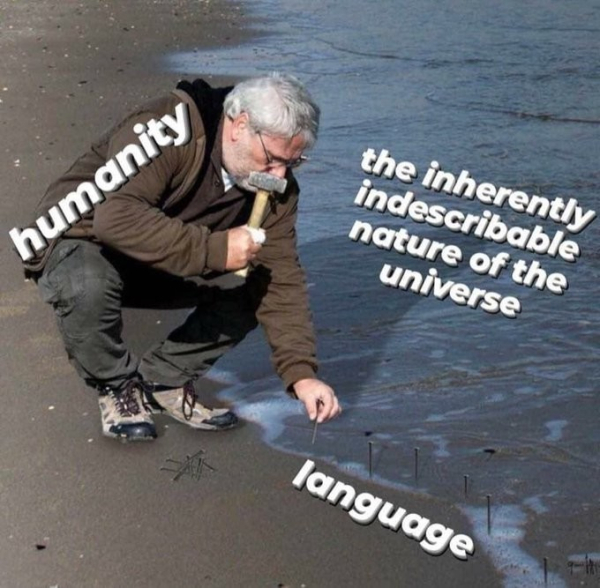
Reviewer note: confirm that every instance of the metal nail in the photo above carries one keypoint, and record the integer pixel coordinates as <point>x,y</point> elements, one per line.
<point>314,435</point>
<point>199,469</point>
<point>183,469</point>
<point>416,464</point>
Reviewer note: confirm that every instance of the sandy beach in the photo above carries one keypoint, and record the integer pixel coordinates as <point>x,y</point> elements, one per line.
<point>80,510</point>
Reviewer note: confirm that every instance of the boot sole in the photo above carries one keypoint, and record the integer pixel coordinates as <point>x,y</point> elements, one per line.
<point>135,433</point>
<point>207,426</point>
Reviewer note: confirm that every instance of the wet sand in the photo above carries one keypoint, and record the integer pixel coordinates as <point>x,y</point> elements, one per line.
<point>81,510</point>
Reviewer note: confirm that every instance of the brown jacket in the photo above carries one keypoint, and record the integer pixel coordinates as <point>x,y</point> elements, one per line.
<point>171,219</point>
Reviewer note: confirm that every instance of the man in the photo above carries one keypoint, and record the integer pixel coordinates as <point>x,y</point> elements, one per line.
<point>177,218</point>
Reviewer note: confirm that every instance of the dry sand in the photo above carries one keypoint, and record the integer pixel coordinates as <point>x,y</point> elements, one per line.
<point>79,510</point>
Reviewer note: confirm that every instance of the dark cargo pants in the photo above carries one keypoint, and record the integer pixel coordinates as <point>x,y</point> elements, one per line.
<point>88,284</point>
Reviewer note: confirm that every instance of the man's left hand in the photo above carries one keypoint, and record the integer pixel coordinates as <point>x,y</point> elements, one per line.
<point>319,399</point>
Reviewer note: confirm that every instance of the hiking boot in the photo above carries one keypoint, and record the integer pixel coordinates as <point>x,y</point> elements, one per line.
<point>183,405</point>
<point>124,414</point>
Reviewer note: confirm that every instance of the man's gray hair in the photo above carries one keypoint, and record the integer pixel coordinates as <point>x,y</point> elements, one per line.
<point>277,104</point>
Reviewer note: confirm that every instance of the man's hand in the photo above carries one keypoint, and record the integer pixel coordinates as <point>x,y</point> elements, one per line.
<point>241,248</point>
<point>318,398</point>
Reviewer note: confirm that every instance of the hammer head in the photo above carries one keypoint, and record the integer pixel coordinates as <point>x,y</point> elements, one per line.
<point>267,182</point>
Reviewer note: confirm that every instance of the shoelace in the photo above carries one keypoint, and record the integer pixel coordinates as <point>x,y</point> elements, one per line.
<point>127,403</point>
<point>189,401</point>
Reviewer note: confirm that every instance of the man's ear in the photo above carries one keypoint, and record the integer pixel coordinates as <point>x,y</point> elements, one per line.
<point>239,125</point>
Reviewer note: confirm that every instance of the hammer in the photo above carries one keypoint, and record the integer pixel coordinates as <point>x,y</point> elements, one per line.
<point>266,184</point>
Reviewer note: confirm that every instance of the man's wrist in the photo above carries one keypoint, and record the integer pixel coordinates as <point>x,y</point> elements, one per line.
<point>301,385</point>
<point>298,372</point>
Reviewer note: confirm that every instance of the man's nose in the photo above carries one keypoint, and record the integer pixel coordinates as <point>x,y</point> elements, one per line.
<point>278,170</point>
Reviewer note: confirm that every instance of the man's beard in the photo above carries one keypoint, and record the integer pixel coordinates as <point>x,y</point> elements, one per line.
<point>241,165</point>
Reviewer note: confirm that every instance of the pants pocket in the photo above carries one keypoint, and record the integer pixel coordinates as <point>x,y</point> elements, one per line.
<point>61,284</point>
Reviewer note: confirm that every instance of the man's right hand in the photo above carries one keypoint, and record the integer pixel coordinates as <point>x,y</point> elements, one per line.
<point>241,248</point>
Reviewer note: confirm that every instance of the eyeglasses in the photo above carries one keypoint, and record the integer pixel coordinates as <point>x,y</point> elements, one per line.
<point>288,163</point>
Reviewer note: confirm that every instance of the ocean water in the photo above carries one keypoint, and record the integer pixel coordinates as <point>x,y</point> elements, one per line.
<point>510,92</point>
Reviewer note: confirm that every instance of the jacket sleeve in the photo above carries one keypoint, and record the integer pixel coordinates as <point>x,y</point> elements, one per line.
<point>131,221</point>
<point>284,310</point>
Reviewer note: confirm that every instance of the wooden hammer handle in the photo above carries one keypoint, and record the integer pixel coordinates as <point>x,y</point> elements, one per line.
<point>256,217</point>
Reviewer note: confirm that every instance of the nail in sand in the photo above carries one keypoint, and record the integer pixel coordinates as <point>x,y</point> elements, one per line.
<point>545,571</point>
<point>416,464</point>
<point>489,513</point>
<point>466,485</point>
<point>370,459</point>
